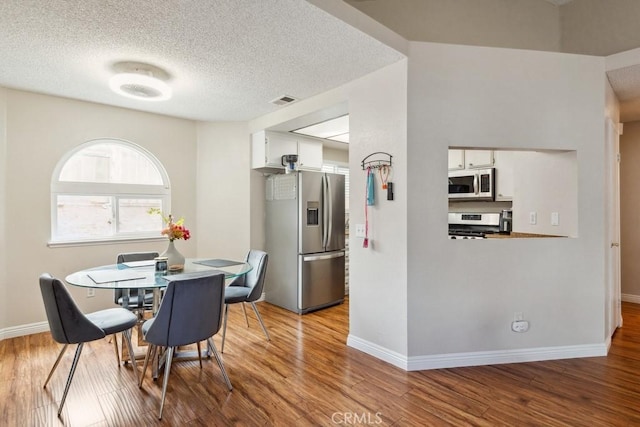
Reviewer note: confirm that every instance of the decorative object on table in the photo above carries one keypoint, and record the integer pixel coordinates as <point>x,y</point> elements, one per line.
<point>173,230</point>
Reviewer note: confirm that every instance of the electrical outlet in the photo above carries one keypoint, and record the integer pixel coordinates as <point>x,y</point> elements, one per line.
<point>91,292</point>
<point>555,218</point>
<point>533,218</point>
<point>520,326</point>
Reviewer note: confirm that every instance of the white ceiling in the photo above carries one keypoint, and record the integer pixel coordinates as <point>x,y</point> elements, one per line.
<point>226,58</point>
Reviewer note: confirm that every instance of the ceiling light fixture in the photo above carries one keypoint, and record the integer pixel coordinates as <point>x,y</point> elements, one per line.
<point>138,82</point>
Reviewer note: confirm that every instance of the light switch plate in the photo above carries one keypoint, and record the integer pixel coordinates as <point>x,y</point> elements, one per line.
<point>360,230</point>
<point>533,218</point>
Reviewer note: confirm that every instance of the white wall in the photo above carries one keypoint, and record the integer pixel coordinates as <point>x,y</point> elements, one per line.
<point>378,274</point>
<point>462,297</point>
<point>40,130</point>
<point>546,182</point>
<point>335,155</point>
<point>3,184</point>
<point>223,193</point>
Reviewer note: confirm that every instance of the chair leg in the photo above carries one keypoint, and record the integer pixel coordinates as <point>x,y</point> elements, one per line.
<point>167,369</point>
<point>55,365</point>
<point>74,365</point>
<point>151,354</point>
<point>199,354</point>
<point>127,336</point>
<point>224,327</point>
<point>114,338</point>
<point>212,349</point>
<point>264,329</point>
<point>244,311</point>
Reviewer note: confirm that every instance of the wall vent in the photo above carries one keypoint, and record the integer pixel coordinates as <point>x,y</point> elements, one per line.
<point>283,100</point>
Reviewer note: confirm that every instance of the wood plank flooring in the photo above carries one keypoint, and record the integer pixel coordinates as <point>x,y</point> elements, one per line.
<point>307,376</point>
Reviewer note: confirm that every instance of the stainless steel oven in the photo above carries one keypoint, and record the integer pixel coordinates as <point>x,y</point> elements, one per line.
<point>471,225</point>
<point>472,184</point>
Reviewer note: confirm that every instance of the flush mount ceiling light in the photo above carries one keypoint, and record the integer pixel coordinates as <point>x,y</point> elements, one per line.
<point>140,81</point>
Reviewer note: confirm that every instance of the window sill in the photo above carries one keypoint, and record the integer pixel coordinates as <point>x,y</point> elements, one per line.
<point>75,243</point>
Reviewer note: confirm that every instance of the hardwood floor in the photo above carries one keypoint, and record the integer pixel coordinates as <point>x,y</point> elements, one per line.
<point>307,376</point>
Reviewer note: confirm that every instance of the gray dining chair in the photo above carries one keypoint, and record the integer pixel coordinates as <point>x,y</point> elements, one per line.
<point>247,289</point>
<point>68,325</point>
<point>135,302</point>
<point>190,312</point>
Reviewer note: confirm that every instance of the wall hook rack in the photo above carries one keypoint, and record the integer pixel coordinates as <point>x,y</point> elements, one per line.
<point>383,159</point>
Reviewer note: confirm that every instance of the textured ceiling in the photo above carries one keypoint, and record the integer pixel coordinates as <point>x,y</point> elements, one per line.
<point>226,58</point>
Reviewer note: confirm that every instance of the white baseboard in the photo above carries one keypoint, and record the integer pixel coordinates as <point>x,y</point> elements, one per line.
<point>631,298</point>
<point>19,331</point>
<point>457,360</point>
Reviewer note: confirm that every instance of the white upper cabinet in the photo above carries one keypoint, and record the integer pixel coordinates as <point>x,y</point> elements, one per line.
<point>504,175</point>
<point>478,159</point>
<point>309,155</point>
<point>456,159</point>
<point>267,149</point>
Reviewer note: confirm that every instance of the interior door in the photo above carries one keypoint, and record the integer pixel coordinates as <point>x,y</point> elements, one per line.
<point>613,307</point>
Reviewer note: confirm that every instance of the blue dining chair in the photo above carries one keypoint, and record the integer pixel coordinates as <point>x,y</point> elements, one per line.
<point>247,289</point>
<point>68,325</point>
<point>190,312</point>
<point>139,299</point>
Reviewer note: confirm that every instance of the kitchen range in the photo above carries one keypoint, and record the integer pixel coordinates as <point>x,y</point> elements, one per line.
<point>471,225</point>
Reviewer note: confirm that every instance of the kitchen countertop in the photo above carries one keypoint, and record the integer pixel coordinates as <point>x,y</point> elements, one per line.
<point>517,235</point>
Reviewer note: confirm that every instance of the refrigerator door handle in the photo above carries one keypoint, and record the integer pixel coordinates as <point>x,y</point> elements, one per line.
<point>329,208</point>
<point>319,257</point>
<point>325,214</point>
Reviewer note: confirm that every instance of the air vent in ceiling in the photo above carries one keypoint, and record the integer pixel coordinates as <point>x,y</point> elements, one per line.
<point>283,100</point>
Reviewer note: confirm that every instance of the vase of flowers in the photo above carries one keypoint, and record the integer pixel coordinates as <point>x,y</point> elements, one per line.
<point>174,230</point>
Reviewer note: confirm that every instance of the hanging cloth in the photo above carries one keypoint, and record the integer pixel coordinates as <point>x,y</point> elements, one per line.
<point>371,198</point>
<point>368,201</point>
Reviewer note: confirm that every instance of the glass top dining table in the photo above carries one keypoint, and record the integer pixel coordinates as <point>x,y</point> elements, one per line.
<point>142,275</point>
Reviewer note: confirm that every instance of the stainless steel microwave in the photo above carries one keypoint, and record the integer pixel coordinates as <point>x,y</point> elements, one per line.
<point>472,184</point>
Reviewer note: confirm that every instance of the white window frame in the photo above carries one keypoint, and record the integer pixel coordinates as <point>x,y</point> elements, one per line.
<point>115,191</point>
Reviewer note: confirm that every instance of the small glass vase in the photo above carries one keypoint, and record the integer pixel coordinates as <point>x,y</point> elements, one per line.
<point>175,260</point>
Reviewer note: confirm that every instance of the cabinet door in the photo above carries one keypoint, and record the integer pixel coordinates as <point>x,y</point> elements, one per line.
<point>456,159</point>
<point>310,155</point>
<point>258,150</point>
<point>504,175</point>
<point>478,158</point>
<point>279,144</point>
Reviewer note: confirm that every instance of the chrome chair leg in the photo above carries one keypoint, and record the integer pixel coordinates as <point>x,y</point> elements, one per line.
<point>114,338</point>
<point>127,338</point>
<point>151,355</point>
<point>74,365</point>
<point>244,310</point>
<point>224,327</point>
<point>264,329</point>
<point>212,349</point>
<point>55,365</point>
<point>165,381</point>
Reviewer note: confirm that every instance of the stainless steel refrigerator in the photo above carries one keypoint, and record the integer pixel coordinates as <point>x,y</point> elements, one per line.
<point>305,226</point>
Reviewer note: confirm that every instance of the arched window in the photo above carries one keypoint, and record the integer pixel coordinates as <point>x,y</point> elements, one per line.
<point>103,190</point>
